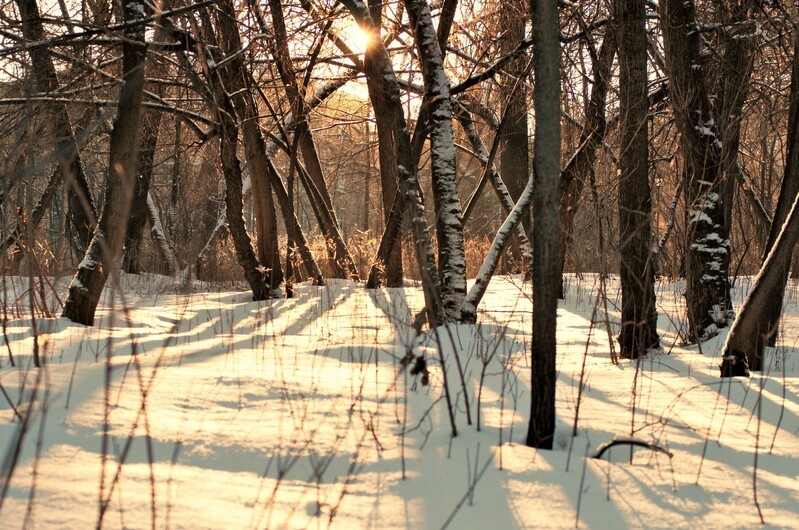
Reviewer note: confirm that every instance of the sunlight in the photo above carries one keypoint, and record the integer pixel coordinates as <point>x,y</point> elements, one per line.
<point>357,37</point>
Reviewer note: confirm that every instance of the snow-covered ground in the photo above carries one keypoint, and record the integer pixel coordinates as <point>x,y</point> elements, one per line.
<point>298,413</point>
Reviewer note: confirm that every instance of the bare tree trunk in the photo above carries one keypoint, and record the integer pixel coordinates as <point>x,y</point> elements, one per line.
<point>750,331</point>
<point>255,148</point>
<point>758,319</point>
<point>134,232</point>
<point>575,174</point>
<point>546,167</point>
<point>707,246</point>
<point>638,317</point>
<point>256,276</point>
<point>222,80</point>
<point>105,246</point>
<point>391,262</point>
<point>281,193</point>
<point>343,264</point>
<point>497,182</point>
<point>160,238</point>
<point>293,225</point>
<point>151,125</point>
<point>394,220</point>
<point>512,223</point>
<point>514,159</point>
<point>736,70</point>
<point>379,68</point>
<point>449,227</point>
<point>82,210</point>
<point>789,189</point>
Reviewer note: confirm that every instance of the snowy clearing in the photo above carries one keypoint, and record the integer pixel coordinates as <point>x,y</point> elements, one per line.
<point>298,413</point>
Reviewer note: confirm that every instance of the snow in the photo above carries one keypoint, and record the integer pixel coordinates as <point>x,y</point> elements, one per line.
<point>698,216</point>
<point>707,129</point>
<point>297,413</point>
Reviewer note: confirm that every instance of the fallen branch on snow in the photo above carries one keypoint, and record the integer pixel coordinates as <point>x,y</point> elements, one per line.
<point>630,441</point>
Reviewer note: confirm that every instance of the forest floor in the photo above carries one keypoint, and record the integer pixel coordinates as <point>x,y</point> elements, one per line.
<point>298,413</point>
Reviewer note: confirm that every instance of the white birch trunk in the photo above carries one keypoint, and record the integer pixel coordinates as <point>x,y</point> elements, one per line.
<point>449,225</point>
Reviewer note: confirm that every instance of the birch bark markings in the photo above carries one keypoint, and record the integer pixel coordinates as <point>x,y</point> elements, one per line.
<point>386,92</point>
<point>449,226</point>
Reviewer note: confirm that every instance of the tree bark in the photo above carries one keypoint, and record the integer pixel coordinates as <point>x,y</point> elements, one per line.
<point>222,80</point>
<point>387,85</point>
<point>391,262</point>
<point>449,226</point>
<point>281,193</point>
<point>343,264</point>
<point>151,124</point>
<point>514,161</point>
<point>707,245</point>
<point>82,211</point>
<point>106,244</point>
<point>391,234</point>
<point>546,167</point>
<point>736,70</point>
<point>638,316</point>
<point>256,276</point>
<point>160,237</point>
<point>241,92</point>
<point>497,182</point>
<point>758,318</point>
<point>134,233</point>
<point>512,224</point>
<point>789,189</point>
<point>574,176</point>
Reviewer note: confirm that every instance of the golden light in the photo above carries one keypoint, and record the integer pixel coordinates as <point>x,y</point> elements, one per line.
<point>357,37</point>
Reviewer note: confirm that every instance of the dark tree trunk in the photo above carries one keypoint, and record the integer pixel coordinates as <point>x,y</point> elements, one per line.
<point>581,164</point>
<point>151,125</point>
<point>267,248</point>
<point>223,80</point>
<point>759,316</point>
<point>256,276</point>
<point>379,68</point>
<point>790,189</point>
<point>391,263</point>
<point>707,245</point>
<point>736,71</point>
<point>514,161</point>
<point>81,207</point>
<point>293,225</point>
<point>638,317</point>
<point>106,244</point>
<point>546,167</point>
<point>343,264</point>
<point>134,232</point>
<point>389,186</point>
